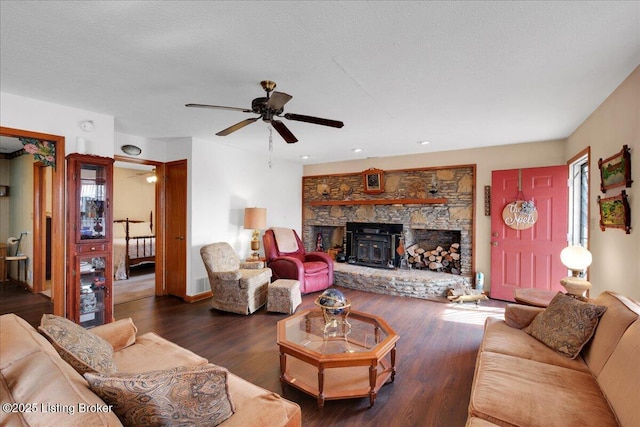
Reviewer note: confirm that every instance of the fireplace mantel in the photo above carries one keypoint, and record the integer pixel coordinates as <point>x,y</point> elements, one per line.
<point>439,201</point>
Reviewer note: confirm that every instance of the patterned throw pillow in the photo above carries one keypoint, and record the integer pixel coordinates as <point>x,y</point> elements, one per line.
<point>566,325</point>
<point>84,351</point>
<point>194,396</point>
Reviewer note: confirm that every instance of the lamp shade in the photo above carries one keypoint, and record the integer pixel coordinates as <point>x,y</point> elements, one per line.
<point>576,258</point>
<point>255,218</point>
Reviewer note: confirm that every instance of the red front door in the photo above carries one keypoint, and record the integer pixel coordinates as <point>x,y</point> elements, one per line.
<point>529,258</point>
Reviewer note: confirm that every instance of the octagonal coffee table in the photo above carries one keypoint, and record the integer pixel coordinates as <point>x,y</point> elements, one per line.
<point>349,359</point>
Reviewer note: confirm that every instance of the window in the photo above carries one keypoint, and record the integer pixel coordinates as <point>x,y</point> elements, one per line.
<point>579,200</point>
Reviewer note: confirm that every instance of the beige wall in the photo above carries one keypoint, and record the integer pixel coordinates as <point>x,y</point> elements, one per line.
<point>616,255</point>
<point>512,156</point>
<point>133,196</point>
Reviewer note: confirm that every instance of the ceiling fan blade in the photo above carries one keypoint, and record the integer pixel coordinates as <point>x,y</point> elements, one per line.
<point>237,126</point>
<point>218,107</point>
<point>314,120</point>
<point>284,132</point>
<point>277,100</point>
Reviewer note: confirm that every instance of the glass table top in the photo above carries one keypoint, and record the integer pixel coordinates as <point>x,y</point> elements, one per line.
<point>355,333</point>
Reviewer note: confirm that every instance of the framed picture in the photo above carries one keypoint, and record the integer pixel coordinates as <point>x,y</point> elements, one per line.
<point>373,181</point>
<point>615,212</point>
<point>615,171</point>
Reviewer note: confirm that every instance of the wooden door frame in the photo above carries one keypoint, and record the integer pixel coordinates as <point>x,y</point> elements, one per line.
<point>58,290</point>
<point>160,286</point>
<point>39,208</point>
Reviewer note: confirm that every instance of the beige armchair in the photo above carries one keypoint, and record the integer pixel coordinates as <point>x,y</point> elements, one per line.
<point>237,287</point>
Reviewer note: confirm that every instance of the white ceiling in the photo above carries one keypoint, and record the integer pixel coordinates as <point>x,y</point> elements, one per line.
<point>459,74</point>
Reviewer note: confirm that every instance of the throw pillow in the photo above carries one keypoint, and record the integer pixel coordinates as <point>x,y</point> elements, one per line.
<point>566,325</point>
<point>84,351</point>
<point>195,396</point>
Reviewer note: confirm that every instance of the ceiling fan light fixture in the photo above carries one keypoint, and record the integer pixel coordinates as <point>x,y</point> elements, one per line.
<point>151,179</point>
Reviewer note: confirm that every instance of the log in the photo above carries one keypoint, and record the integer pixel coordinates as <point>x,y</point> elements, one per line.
<point>435,265</point>
<point>455,256</point>
<point>412,249</point>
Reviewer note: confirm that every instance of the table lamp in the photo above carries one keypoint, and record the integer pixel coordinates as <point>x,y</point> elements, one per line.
<point>255,219</point>
<point>576,259</point>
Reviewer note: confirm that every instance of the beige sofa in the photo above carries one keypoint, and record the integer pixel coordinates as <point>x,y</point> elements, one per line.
<point>519,381</point>
<point>37,387</point>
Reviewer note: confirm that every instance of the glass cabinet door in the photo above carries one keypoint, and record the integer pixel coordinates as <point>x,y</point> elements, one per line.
<point>92,274</point>
<point>93,199</point>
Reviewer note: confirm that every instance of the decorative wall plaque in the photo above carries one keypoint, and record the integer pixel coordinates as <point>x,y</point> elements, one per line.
<point>520,215</point>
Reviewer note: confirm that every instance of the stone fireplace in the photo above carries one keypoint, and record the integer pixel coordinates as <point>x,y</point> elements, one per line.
<point>343,211</point>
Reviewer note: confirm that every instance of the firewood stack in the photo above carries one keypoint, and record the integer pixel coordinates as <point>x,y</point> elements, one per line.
<point>438,259</point>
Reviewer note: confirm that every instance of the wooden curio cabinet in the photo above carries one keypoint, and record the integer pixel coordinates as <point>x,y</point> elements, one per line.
<point>89,221</point>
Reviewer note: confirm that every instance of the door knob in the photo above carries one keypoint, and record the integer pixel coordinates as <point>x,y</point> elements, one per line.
<point>494,243</point>
<point>180,238</point>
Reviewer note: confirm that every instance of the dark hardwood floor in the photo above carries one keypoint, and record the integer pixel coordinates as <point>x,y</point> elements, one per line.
<point>436,351</point>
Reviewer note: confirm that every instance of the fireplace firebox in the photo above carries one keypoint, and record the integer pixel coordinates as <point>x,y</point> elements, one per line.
<point>373,244</point>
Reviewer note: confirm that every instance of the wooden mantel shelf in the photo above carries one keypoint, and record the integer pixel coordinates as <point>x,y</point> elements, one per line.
<point>379,202</point>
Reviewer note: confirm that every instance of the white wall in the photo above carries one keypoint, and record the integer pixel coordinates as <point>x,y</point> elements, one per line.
<point>225,180</point>
<point>512,156</point>
<point>152,149</point>
<point>616,255</point>
<point>34,115</point>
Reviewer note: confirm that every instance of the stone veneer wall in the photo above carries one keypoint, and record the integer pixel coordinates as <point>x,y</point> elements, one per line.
<point>456,184</point>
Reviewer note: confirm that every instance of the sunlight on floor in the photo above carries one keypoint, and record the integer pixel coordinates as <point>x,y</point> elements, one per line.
<point>471,314</point>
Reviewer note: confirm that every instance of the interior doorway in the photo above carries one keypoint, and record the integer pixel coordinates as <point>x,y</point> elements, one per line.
<point>50,204</point>
<point>136,230</point>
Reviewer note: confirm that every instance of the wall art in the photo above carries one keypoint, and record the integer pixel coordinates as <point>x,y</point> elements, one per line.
<point>373,181</point>
<point>615,212</point>
<point>615,171</point>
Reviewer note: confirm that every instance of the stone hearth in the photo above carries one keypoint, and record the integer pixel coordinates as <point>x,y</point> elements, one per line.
<point>408,283</point>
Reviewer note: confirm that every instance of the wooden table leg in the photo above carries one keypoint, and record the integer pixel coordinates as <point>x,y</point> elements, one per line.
<point>320,386</point>
<point>373,378</point>
<point>283,369</point>
<point>393,363</point>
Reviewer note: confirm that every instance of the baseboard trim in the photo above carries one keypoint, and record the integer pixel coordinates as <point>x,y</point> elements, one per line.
<point>198,297</point>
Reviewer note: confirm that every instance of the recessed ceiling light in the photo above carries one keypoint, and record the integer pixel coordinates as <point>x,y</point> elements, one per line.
<point>424,142</point>
<point>304,156</point>
<point>357,150</point>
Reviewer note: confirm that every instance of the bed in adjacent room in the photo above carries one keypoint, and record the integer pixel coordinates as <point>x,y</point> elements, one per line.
<point>134,243</point>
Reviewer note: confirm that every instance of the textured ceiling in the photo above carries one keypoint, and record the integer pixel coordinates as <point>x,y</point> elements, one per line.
<point>459,74</point>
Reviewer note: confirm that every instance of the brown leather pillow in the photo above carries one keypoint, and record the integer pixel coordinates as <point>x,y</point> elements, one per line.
<point>566,325</point>
<point>196,396</point>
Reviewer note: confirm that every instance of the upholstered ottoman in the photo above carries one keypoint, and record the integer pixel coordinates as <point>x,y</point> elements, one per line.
<point>283,296</point>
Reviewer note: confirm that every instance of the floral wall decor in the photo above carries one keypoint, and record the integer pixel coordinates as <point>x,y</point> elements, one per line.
<point>43,151</point>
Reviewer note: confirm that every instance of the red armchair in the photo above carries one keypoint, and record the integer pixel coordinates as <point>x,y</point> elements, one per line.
<point>313,270</point>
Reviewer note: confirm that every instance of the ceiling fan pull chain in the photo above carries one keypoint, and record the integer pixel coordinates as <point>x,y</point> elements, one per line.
<point>270,145</point>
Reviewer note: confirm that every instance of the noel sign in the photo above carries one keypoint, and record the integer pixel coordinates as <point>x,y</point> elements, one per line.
<point>520,214</point>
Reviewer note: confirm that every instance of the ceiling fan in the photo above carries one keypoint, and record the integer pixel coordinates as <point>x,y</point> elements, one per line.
<point>269,108</point>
